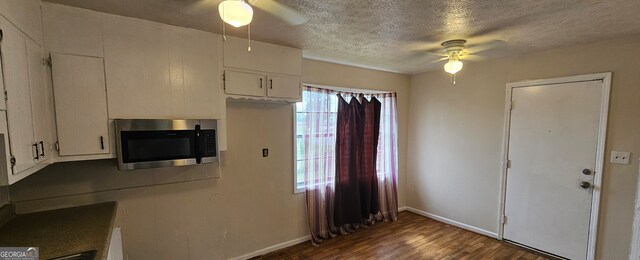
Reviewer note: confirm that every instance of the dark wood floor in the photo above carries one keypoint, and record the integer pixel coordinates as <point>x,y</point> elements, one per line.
<point>411,237</point>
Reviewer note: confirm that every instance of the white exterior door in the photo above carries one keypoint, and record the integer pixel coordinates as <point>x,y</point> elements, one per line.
<point>553,143</point>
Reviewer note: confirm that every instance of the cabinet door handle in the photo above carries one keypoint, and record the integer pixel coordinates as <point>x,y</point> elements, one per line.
<point>42,146</point>
<point>37,157</point>
<point>101,142</point>
<point>271,83</point>
<point>260,82</point>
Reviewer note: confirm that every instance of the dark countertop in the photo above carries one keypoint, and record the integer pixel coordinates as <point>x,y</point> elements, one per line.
<point>62,232</point>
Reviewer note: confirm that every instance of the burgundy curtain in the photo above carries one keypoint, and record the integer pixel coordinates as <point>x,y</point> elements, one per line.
<point>356,183</point>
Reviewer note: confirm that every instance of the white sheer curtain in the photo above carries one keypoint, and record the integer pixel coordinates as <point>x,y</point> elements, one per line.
<point>316,157</point>
<point>387,163</point>
<point>319,113</point>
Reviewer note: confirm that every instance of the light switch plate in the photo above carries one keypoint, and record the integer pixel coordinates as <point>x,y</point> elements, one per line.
<point>620,157</point>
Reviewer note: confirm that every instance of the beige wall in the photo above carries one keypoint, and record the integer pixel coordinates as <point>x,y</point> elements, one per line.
<point>456,136</point>
<point>251,207</point>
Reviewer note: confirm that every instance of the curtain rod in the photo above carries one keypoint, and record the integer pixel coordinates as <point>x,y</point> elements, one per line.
<point>351,90</point>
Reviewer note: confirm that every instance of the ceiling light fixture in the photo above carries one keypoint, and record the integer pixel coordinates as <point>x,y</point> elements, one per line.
<point>454,50</point>
<point>454,65</point>
<point>235,12</point>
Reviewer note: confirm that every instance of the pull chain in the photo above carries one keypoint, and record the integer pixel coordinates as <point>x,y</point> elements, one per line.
<point>249,37</point>
<point>224,33</point>
<point>453,79</point>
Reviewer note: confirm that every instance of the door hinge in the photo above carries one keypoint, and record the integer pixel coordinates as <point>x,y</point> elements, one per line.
<point>504,220</point>
<point>13,161</point>
<point>511,105</point>
<point>57,146</point>
<point>47,61</point>
<point>224,81</point>
<point>6,95</point>
<point>1,35</point>
<point>508,164</point>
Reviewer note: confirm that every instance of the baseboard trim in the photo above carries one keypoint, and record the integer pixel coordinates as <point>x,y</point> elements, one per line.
<point>270,249</point>
<point>453,223</point>
<point>404,208</point>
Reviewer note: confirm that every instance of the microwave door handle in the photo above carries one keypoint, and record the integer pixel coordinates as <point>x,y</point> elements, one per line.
<point>197,145</point>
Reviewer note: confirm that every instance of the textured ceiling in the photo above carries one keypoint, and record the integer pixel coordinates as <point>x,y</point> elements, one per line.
<point>395,35</point>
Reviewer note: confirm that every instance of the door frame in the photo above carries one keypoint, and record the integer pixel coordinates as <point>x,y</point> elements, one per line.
<point>602,133</point>
<point>635,236</point>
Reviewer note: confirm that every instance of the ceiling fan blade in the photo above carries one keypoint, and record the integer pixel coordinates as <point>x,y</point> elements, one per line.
<point>200,6</point>
<point>282,12</point>
<point>481,47</point>
<point>439,60</point>
<point>472,57</point>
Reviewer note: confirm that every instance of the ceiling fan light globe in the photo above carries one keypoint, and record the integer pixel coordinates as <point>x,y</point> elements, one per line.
<point>235,12</point>
<point>453,66</point>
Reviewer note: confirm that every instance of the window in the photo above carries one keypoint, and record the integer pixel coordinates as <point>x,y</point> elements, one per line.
<point>315,128</point>
<point>315,122</point>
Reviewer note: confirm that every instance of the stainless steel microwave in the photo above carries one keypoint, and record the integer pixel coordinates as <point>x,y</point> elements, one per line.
<point>151,143</point>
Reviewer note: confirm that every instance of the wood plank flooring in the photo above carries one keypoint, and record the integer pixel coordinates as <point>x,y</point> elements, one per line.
<point>411,237</point>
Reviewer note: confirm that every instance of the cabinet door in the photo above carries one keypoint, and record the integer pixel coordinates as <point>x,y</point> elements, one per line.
<point>25,15</point>
<point>19,116</point>
<point>265,57</point>
<point>195,70</point>
<point>244,83</point>
<point>136,55</point>
<point>283,87</point>
<point>42,109</point>
<point>81,105</point>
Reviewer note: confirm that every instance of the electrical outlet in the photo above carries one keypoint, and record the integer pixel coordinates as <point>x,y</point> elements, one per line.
<point>620,157</point>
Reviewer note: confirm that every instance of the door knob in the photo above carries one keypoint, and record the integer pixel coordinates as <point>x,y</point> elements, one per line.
<point>586,171</point>
<point>585,185</point>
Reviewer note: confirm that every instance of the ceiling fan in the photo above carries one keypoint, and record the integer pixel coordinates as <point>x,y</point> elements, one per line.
<point>456,50</point>
<point>239,13</point>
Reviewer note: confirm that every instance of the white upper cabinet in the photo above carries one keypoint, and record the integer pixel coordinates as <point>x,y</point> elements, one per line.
<point>263,57</point>
<point>284,87</point>
<point>160,71</point>
<point>244,83</point>
<point>41,100</point>
<point>72,30</point>
<point>25,15</point>
<point>28,103</point>
<point>19,116</point>
<point>198,94</point>
<point>268,72</point>
<point>81,105</point>
<point>253,85</point>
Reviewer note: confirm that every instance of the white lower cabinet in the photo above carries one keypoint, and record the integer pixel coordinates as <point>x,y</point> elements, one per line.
<point>27,102</point>
<point>258,86</point>
<point>81,105</point>
<point>115,245</point>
